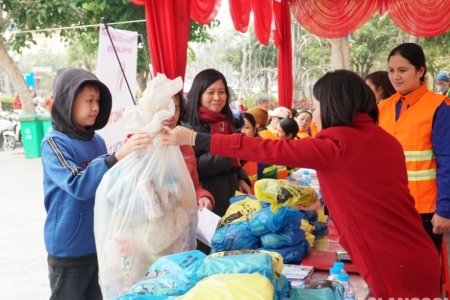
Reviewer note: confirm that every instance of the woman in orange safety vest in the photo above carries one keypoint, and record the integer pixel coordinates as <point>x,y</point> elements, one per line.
<point>420,120</point>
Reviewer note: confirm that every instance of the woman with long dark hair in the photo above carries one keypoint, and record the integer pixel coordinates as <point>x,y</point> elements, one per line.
<point>208,111</point>
<point>366,193</point>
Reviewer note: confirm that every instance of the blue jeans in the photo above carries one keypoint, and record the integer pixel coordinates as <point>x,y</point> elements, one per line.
<point>74,283</point>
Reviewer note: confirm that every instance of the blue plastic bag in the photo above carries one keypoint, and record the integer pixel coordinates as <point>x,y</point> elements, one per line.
<point>265,221</point>
<point>294,254</point>
<point>170,275</point>
<point>244,263</point>
<point>282,239</point>
<point>241,197</point>
<point>282,287</point>
<point>318,290</point>
<point>236,236</point>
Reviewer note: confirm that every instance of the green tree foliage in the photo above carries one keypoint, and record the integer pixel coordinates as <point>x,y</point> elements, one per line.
<point>19,17</point>
<point>370,45</point>
<point>24,15</point>
<point>437,51</point>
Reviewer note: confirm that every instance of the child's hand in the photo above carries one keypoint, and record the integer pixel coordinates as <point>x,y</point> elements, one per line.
<point>204,202</point>
<point>137,141</point>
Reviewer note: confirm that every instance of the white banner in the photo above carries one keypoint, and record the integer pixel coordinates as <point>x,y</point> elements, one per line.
<point>110,73</point>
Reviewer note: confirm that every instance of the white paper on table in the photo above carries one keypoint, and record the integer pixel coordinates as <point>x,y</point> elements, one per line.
<point>208,222</point>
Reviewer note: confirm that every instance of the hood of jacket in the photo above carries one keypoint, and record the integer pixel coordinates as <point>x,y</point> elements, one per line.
<point>65,88</point>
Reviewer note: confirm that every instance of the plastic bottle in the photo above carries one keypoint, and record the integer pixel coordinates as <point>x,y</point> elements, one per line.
<point>334,272</point>
<point>340,265</point>
<point>349,293</point>
<point>306,179</point>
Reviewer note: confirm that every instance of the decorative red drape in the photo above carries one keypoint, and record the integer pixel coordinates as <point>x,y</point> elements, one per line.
<point>168,25</point>
<point>423,18</point>
<point>333,18</point>
<point>283,41</point>
<point>204,11</point>
<point>240,13</point>
<point>263,11</point>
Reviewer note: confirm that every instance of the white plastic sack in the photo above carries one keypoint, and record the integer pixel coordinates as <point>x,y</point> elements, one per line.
<point>146,204</point>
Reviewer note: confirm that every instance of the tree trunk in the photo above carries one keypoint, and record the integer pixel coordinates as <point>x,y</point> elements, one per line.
<point>17,80</point>
<point>142,78</point>
<point>413,39</point>
<point>340,54</point>
<point>266,83</point>
<point>242,81</point>
<point>345,52</point>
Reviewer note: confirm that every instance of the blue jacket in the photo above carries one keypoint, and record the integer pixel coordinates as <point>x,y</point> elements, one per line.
<point>74,161</point>
<point>69,192</point>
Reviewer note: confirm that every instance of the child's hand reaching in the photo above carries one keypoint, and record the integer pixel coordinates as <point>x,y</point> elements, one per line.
<point>137,141</point>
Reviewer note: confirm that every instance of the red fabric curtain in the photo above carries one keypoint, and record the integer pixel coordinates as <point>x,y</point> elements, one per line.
<point>138,2</point>
<point>168,25</point>
<point>333,18</point>
<point>240,14</point>
<point>204,11</point>
<point>284,42</point>
<point>423,18</point>
<point>263,11</point>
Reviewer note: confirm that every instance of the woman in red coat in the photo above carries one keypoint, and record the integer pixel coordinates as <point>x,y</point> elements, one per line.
<point>204,198</point>
<point>362,174</point>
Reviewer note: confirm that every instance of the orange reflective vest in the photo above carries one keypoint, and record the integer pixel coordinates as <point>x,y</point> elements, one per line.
<point>251,168</point>
<point>413,131</point>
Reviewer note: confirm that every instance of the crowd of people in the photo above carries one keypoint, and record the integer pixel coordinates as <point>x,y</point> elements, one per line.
<point>380,146</point>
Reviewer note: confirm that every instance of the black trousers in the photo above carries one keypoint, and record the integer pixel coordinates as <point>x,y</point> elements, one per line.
<point>437,238</point>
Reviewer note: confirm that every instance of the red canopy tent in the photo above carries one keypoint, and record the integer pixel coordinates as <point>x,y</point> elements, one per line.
<point>168,24</point>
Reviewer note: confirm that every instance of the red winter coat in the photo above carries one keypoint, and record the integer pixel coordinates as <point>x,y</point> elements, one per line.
<point>364,183</point>
<point>191,164</point>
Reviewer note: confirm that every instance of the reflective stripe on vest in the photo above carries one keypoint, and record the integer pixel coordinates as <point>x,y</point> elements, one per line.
<point>413,130</point>
<point>252,177</point>
<point>422,175</point>
<point>270,171</point>
<point>419,155</point>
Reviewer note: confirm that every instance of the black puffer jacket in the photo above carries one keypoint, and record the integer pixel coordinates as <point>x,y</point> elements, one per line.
<point>216,173</point>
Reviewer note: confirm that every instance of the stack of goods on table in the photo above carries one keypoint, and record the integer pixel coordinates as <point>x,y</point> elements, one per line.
<point>232,275</point>
<point>270,222</point>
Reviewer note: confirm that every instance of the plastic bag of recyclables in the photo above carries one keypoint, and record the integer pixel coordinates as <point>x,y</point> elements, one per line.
<point>145,205</point>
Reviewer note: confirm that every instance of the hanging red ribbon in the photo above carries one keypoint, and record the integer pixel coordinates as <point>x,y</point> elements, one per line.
<point>204,11</point>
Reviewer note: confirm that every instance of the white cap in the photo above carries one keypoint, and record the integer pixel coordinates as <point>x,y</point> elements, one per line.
<point>280,112</point>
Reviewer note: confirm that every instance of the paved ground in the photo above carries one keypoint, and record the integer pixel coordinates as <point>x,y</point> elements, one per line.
<point>23,269</point>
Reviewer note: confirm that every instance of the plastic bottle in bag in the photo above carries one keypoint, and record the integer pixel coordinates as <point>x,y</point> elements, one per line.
<point>334,272</point>
<point>349,293</point>
<point>306,179</point>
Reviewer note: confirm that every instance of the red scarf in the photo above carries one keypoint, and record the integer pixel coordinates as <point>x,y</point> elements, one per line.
<point>218,124</point>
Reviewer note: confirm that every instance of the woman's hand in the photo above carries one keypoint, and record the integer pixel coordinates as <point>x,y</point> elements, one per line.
<point>178,136</point>
<point>243,187</point>
<point>138,141</point>
<point>204,202</point>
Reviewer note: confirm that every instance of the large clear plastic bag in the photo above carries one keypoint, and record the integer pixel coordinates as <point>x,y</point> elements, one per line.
<point>146,204</point>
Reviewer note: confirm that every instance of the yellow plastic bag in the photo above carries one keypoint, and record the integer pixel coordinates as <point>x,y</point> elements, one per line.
<point>240,211</point>
<point>283,193</point>
<point>231,287</point>
<point>277,259</point>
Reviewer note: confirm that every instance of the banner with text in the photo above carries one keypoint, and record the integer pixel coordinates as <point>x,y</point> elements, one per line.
<point>110,73</point>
